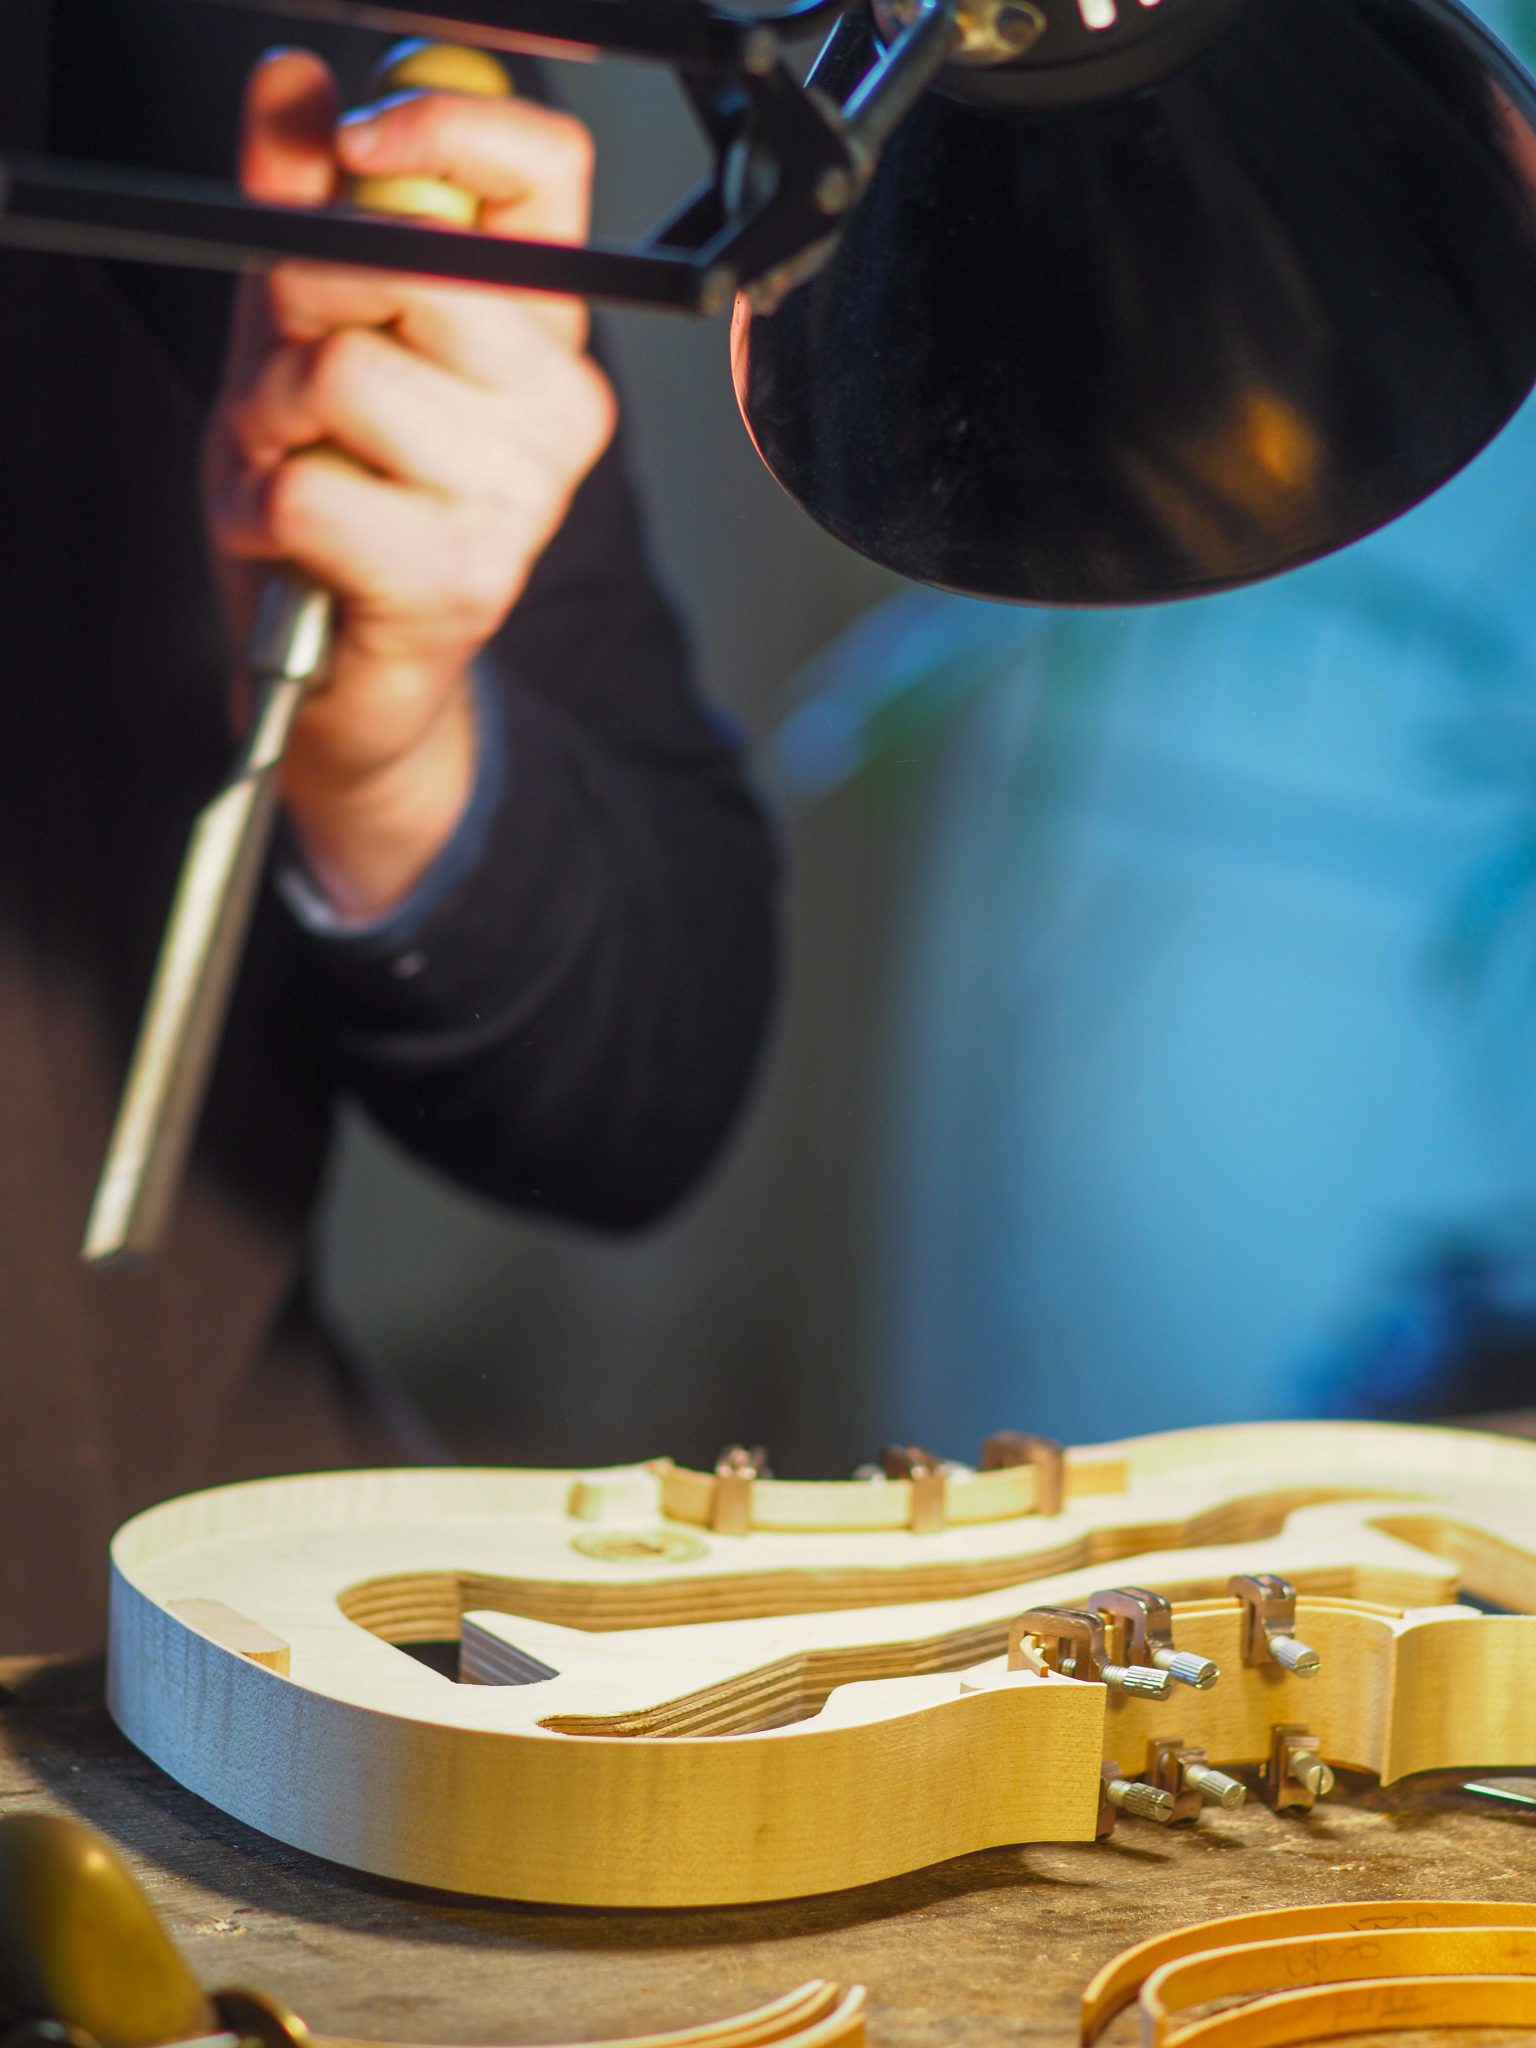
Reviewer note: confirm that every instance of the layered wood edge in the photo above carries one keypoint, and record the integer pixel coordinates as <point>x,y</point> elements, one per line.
<point>1353,1967</point>
<point>818,2014</point>
<point>661,1717</point>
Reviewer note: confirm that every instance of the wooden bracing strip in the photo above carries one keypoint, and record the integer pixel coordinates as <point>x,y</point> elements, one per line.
<point>1392,2005</point>
<point>817,2015</point>
<point>1292,1964</point>
<point>1367,1938</point>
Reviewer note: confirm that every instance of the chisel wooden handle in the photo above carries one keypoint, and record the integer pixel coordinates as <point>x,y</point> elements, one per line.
<point>205,936</point>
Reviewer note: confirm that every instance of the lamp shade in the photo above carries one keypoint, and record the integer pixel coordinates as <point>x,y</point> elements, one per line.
<point>1108,332</point>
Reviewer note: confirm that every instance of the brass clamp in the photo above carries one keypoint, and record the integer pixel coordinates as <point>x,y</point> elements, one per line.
<point>1269,1623</point>
<point>1119,1794</point>
<point>927,1475</point>
<point>737,1470</point>
<point>1071,1642</point>
<point>1183,1771</point>
<point>1006,1448</point>
<point>1295,1774</point>
<point>1141,1631</point>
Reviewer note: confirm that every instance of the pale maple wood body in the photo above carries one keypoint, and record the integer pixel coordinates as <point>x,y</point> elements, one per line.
<point>801,1709</point>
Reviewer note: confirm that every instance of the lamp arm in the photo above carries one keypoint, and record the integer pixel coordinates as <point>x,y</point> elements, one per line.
<point>650,31</point>
<point>789,164</point>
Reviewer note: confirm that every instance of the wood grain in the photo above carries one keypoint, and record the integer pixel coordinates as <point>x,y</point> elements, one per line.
<point>989,1951</point>
<point>1397,2005</point>
<point>1353,1958</point>
<point>732,1722</point>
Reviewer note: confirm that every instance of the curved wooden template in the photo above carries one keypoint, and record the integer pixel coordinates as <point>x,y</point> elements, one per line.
<point>1446,1691</point>
<point>1116,1986</point>
<point>428,1607</point>
<point>817,2015</point>
<point>1291,1965</point>
<point>1392,2005</point>
<point>731,1760</point>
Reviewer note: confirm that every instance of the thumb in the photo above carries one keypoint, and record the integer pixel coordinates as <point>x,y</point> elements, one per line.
<point>286,142</point>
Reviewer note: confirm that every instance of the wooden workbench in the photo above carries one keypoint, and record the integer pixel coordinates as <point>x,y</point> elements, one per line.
<point>990,1949</point>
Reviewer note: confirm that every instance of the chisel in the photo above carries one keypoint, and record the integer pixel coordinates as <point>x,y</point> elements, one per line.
<point>205,934</point>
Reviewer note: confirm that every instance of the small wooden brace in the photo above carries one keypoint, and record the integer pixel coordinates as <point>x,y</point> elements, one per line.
<point>220,1622</point>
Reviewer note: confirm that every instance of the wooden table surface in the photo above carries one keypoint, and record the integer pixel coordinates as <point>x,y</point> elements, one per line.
<point>992,1948</point>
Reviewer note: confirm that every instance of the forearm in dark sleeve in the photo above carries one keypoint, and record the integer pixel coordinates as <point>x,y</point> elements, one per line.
<point>574,1025</point>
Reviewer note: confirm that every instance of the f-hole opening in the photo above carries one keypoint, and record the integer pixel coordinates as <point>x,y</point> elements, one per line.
<point>441,1657</point>
<point>497,1663</point>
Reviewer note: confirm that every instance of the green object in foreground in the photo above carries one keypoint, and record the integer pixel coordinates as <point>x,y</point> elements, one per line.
<point>81,1944</point>
<point>1512,1795</point>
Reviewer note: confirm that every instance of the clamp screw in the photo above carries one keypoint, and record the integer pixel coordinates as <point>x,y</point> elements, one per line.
<point>1141,1631</point>
<point>1295,1774</point>
<point>1308,1769</point>
<point>1146,1802</point>
<point>1215,1786</point>
<point>1139,1680</point>
<point>1183,1772</point>
<point>1187,1668</point>
<point>1296,1657</point>
<point>1269,1623</point>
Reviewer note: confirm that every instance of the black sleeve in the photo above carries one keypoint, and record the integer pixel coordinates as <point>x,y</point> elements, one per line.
<point>574,1023</point>
<point>573,1026</point>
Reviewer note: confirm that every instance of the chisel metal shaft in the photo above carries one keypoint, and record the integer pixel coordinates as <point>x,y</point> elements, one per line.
<point>205,937</point>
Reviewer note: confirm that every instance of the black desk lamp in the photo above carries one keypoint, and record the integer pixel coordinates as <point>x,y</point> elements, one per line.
<point>1098,301</point>
<point>1171,303</point>
<point>1074,301</point>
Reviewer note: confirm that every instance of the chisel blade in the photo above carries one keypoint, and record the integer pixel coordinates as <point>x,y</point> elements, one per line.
<point>204,939</point>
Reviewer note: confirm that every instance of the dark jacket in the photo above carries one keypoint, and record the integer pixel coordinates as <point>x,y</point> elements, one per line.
<point>569,1031</point>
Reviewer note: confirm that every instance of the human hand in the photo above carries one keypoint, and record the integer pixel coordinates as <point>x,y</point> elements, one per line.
<point>412,446</point>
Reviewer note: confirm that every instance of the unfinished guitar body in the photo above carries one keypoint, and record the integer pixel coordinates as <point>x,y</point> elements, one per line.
<point>657,1714</point>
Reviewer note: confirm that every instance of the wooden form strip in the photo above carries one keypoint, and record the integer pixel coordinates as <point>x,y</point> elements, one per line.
<point>861,1506</point>
<point>817,2015</point>
<point>1292,1964</point>
<point>1118,1983</point>
<point>1392,2005</point>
